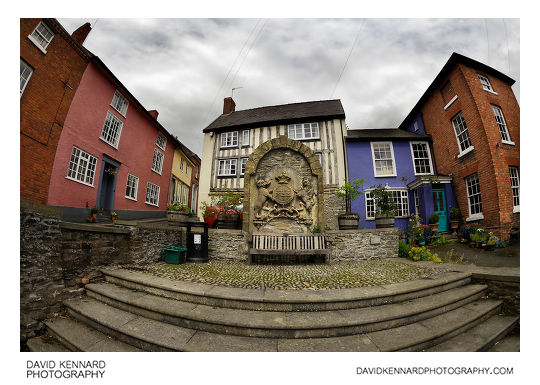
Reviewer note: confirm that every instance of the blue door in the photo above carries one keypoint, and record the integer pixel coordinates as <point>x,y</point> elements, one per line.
<point>439,207</point>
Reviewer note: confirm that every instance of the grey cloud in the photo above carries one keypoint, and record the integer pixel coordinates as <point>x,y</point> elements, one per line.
<point>178,65</point>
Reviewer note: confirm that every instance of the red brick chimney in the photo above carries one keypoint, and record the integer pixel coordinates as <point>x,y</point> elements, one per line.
<point>228,105</point>
<point>154,113</point>
<point>81,33</point>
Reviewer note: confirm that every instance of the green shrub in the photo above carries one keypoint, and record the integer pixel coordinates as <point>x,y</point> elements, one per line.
<point>404,249</point>
<point>176,206</point>
<point>423,254</point>
<point>434,218</point>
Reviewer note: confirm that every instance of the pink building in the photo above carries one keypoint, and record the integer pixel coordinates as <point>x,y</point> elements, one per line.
<point>112,153</point>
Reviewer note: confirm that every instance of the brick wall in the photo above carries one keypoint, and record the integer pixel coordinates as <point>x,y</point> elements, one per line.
<point>44,105</point>
<point>490,158</point>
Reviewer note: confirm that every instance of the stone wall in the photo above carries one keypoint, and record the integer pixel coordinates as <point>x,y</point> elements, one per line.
<point>333,206</point>
<point>506,291</point>
<point>227,244</point>
<point>55,255</point>
<point>365,244</point>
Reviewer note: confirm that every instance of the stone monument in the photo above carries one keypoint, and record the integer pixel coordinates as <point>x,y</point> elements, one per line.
<point>283,190</point>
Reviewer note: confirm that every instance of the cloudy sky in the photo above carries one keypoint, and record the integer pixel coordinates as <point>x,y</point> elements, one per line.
<point>379,68</point>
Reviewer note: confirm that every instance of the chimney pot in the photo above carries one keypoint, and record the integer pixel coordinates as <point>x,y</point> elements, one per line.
<point>81,33</point>
<point>228,105</point>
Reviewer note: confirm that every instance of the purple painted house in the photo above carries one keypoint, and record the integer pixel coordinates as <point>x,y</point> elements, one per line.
<point>400,160</point>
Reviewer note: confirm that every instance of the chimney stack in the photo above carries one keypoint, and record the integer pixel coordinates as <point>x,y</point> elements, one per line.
<point>154,113</point>
<point>81,33</point>
<point>228,105</point>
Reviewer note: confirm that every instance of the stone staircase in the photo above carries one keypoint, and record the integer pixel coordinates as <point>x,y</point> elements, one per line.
<point>132,311</point>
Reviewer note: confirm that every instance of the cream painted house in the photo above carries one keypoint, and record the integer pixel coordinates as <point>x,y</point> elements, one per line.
<point>180,186</point>
<point>232,137</point>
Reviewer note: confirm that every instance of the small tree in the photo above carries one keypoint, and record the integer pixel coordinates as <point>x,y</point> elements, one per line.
<point>384,201</point>
<point>350,191</point>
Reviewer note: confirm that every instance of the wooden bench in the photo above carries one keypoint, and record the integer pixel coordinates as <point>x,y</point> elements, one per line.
<point>288,245</point>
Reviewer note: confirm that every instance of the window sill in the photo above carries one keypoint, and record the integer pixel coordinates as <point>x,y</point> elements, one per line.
<point>36,43</point>
<point>78,181</point>
<point>510,143</point>
<point>159,173</point>
<point>450,103</point>
<point>227,176</point>
<point>306,139</point>
<point>516,210</point>
<point>152,204</point>
<point>227,147</point>
<point>475,217</point>
<point>386,176</point>
<point>463,153</point>
<point>490,91</point>
<point>131,199</point>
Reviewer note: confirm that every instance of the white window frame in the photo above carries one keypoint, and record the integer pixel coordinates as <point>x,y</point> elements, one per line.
<point>227,164</point>
<point>300,131</point>
<point>132,187</point>
<point>161,141</point>
<point>112,124</point>
<point>181,164</point>
<point>39,39</point>
<point>120,103</point>
<point>196,172</point>
<point>501,123</point>
<point>25,70</point>
<point>514,183</point>
<point>470,182</point>
<point>394,173</point>
<point>414,159</point>
<point>486,84</point>
<point>187,169</point>
<point>245,138</point>
<point>400,197</point>
<point>243,162</point>
<point>462,125</point>
<point>416,201</point>
<point>228,139</point>
<point>152,194</point>
<point>82,164</point>
<point>157,161</point>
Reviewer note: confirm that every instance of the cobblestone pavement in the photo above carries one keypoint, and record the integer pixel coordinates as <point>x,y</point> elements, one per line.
<point>291,277</point>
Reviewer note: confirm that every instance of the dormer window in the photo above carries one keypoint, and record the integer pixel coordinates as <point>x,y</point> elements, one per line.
<point>305,131</point>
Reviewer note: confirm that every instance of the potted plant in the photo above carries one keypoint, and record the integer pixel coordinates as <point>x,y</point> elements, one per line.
<point>114,216</point>
<point>228,209</point>
<point>385,206</point>
<point>455,216</point>
<point>434,222</point>
<point>209,211</point>
<point>178,213</point>
<point>349,191</point>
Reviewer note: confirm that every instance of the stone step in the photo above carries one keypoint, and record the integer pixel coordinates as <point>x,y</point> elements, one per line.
<point>77,336</point>
<point>285,300</point>
<point>152,335</point>
<point>253,323</point>
<point>44,344</point>
<point>509,343</point>
<point>479,338</point>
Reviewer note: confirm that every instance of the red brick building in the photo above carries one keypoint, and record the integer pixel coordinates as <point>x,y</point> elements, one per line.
<point>472,115</point>
<point>52,64</point>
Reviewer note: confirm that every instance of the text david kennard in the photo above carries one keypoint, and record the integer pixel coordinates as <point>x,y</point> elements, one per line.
<point>65,369</point>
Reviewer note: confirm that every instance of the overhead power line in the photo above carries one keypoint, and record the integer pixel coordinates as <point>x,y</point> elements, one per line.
<point>348,57</point>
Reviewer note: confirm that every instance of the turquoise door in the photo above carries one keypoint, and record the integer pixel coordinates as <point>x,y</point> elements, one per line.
<point>439,207</point>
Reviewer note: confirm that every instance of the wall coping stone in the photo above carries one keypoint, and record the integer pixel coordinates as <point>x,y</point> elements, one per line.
<point>93,228</point>
<point>41,209</point>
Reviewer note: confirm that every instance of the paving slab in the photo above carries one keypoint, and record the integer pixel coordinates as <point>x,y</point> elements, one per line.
<point>97,311</point>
